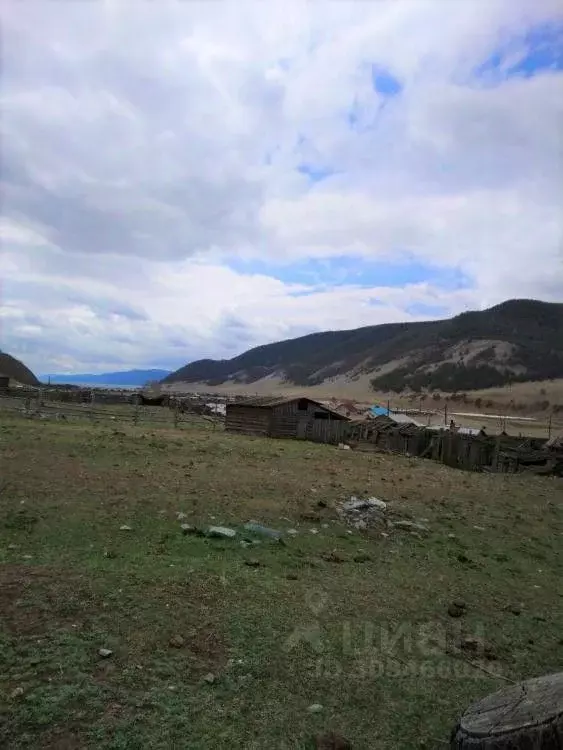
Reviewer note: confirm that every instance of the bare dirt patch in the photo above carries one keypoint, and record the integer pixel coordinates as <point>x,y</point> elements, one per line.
<point>31,598</point>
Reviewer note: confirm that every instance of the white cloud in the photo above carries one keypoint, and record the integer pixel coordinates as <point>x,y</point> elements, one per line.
<point>148,149</point>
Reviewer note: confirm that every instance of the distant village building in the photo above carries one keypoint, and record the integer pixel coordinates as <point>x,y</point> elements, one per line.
<point>291,417</point>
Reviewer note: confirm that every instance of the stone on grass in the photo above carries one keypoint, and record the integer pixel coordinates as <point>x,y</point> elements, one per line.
<point>258,528</point>
<point>221,532</point>
<point>355,503</point>
<point>125,528</point>
<point>292,532</point>
<point>315,708</point>
<point>176,641</point>
<point>105,653</point>
<point>209,678</point>
<point>253,563</point>
<point>16,693</point>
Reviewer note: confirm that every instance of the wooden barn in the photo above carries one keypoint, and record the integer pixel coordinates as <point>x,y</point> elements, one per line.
<point>277,417</point>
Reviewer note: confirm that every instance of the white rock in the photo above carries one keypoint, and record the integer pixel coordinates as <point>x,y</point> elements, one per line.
<point>105,653</point>
<point>292,532</point>
<point>125,528</point>
<point>221,531</point>
<point>375,502</point>
<point>314,531</point>
<point>315,708</point>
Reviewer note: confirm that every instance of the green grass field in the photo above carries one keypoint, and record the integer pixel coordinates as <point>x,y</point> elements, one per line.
<point>356,622</point>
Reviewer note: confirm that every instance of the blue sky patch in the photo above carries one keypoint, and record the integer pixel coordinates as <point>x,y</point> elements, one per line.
<point>384,82</point>
<point>539,50</point>
<point>315,174</point>
<point>344,271</point>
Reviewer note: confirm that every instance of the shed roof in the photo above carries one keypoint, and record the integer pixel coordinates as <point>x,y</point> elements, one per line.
<point>403,419</point>
<point>379,411</point>
<point>268,402</point>
<point>382,422</point>
<point>262,401</point>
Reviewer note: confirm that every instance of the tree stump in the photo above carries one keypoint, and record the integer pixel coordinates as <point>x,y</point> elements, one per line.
<point>528,716</point>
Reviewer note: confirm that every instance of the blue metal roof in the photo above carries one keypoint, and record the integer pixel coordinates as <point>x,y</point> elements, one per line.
<point>379,411</point>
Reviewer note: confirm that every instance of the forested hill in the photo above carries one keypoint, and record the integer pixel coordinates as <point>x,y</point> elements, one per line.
<point>517,340</point>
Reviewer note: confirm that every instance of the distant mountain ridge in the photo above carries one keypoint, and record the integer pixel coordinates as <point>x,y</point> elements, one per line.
<point>122,378</point>
<point>16,370</point>
<point>517,340</point>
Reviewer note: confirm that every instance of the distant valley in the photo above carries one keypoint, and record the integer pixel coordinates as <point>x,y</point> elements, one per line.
<point>126,378</point>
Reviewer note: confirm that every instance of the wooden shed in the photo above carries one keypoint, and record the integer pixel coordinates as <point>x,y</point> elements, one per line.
<point>278,417</point>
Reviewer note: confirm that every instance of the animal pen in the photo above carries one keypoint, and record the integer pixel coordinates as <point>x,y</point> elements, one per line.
<point>277,417</point>
<point>501,453</point>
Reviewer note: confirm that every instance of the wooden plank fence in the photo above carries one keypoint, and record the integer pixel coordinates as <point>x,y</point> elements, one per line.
<point>501,453</point>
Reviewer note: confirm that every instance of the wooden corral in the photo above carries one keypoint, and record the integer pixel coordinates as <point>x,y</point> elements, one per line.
<point>300,418</point>
<point>471,452</point>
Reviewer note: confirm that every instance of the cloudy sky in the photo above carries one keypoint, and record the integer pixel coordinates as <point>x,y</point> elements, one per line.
<point>185,180</point>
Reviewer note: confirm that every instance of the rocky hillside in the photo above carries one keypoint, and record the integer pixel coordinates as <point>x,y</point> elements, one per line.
<point>16,370</point>
<point>515,341</point>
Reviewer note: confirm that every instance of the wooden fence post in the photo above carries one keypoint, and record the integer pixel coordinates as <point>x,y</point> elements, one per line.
<point>136,412</point>
<point>92,400</point>
<point>496,454</point>
<point>176,413</point>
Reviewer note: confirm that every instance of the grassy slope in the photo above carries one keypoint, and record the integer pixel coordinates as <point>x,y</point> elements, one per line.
<point>71,582</point>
